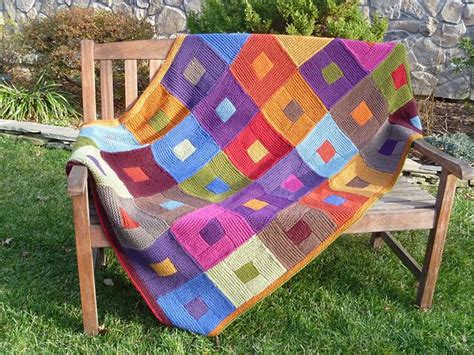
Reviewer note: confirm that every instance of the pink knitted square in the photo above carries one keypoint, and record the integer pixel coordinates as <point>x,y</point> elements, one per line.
<point>193,232</point>
<point>292,183</point>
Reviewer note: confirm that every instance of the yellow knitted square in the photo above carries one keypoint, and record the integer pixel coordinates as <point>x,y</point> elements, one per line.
<point>370,182</point>
<point>262,65</point>
<point>300,48</point>
<point>164,268</point>
<point>257,151</point>
<point>255,204</point>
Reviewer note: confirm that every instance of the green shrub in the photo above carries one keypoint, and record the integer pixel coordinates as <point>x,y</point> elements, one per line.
<point>324,18</point>
<point>459,145</point>
<point>467,62</point>
<point>56,41</point>
<point>43,102</point>
<point>9,47</point>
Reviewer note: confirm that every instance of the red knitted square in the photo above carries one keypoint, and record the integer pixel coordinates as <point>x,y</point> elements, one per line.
<point>257,148</point>
<point>399,76</point>
<point>262,67</point>
<point>326,151</point>
<point>340,213</point>
<point>299,232</point>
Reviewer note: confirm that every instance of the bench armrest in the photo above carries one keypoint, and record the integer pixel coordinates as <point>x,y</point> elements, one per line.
<point>77,180</point>
<point>457,167</point>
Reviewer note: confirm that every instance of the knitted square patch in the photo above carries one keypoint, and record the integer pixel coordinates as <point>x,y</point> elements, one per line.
<point>340,205</point>
<point>290,179</point>
<point>325,135</point>
<point>215,181</point>
<point>332,72</point>
<point>246,272</point>
<point>237,231</point>
<point>164,266</point>
<point>257,148</point>
<point>139,172</point>
<point>159,113</point>
<point>255,204</point>
<point>184,149</point>
<point>361,112</point>
<point>171,205</point>
<point>259,217</point>
<point>197,305</point>
<point>195,70</point>
<point>294,109</point>
<point>262,67</point>
<point>226,110</point>
<point>173,152</point>
<point>389,78</point>
<point>297,231</point>
<point>257,151</point>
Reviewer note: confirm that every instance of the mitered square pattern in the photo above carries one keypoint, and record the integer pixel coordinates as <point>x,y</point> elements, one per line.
<point>242,161</point>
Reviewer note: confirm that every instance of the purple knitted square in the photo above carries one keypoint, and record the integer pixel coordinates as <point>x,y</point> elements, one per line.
<point>195,70</point>
<point>335,52</point>
<point>196,308</point>
<point>212,232</point>
<point>164,247</point>
<point>388,147</point>
<point>226,110</point>
<point>291,178</point>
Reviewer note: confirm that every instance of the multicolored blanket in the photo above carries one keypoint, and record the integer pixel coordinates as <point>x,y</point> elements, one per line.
<point>245,158</point>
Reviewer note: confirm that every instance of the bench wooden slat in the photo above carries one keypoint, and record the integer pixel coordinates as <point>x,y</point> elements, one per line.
<point>154,66</point>
<point>106,90</point>
<point>131,82</point>
<point>144,49</point>
<point>88,81</point>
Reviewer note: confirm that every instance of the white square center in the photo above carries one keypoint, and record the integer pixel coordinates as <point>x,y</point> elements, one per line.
<point>184,150</point>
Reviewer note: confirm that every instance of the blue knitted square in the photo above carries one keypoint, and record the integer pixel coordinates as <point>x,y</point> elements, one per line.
<point>335,200</point>
<point>218,186</point>
<point>225,109</point>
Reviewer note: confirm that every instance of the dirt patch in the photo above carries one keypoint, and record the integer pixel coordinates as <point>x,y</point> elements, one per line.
<point>446,116</point>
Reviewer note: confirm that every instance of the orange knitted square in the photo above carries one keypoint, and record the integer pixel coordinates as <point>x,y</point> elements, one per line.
<point>362,113</point>
<point>294,109</point>
<point>262,66</point>
<point>136,174</point>
<point>164,268</point>
<point>255,204</point>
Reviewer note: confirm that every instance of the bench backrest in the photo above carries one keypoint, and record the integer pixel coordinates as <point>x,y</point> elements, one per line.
<point>153,50</point>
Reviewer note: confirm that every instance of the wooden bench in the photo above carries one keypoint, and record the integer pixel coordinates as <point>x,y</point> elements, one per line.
<point>406,207</point>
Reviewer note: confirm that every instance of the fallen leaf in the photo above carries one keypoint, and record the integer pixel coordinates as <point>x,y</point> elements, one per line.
<point>6,241</point>
<point>108,282</point>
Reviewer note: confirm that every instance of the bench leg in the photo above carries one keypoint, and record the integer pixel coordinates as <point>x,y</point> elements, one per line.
<point>376,241</point>
<point>436,240</point>
<point>85,264</point>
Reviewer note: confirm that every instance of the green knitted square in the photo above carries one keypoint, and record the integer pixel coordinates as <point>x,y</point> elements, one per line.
<point>247,272</point>
<point>221,167</point>
<point>382,77</point>
<point>332,73</point>
<point>159,121</point>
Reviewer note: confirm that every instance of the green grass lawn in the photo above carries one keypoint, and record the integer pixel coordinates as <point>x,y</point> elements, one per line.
<point>350,299</point>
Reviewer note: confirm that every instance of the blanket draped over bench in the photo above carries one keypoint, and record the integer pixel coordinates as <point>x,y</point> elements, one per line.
<point>246,157</point>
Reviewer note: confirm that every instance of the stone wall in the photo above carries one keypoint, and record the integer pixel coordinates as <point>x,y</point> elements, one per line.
<point>430,28</point>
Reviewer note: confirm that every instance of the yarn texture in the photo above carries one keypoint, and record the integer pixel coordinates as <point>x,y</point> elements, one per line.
<point>244,159</point>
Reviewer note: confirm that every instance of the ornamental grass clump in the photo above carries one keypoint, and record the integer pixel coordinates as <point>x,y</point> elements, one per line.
<point>43,102</point>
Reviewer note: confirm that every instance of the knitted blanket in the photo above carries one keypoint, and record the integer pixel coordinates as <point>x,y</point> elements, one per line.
<point>246,157</point>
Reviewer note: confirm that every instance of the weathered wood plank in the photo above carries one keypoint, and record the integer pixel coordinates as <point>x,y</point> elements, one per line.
<point>455,166</point>
<point>436,239</point>
<point>106,90</point>
<point>88,80</point>
<point>131,82</point>
<point>402,254</point>
<point>143,49</point>
<point>154,66</point>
